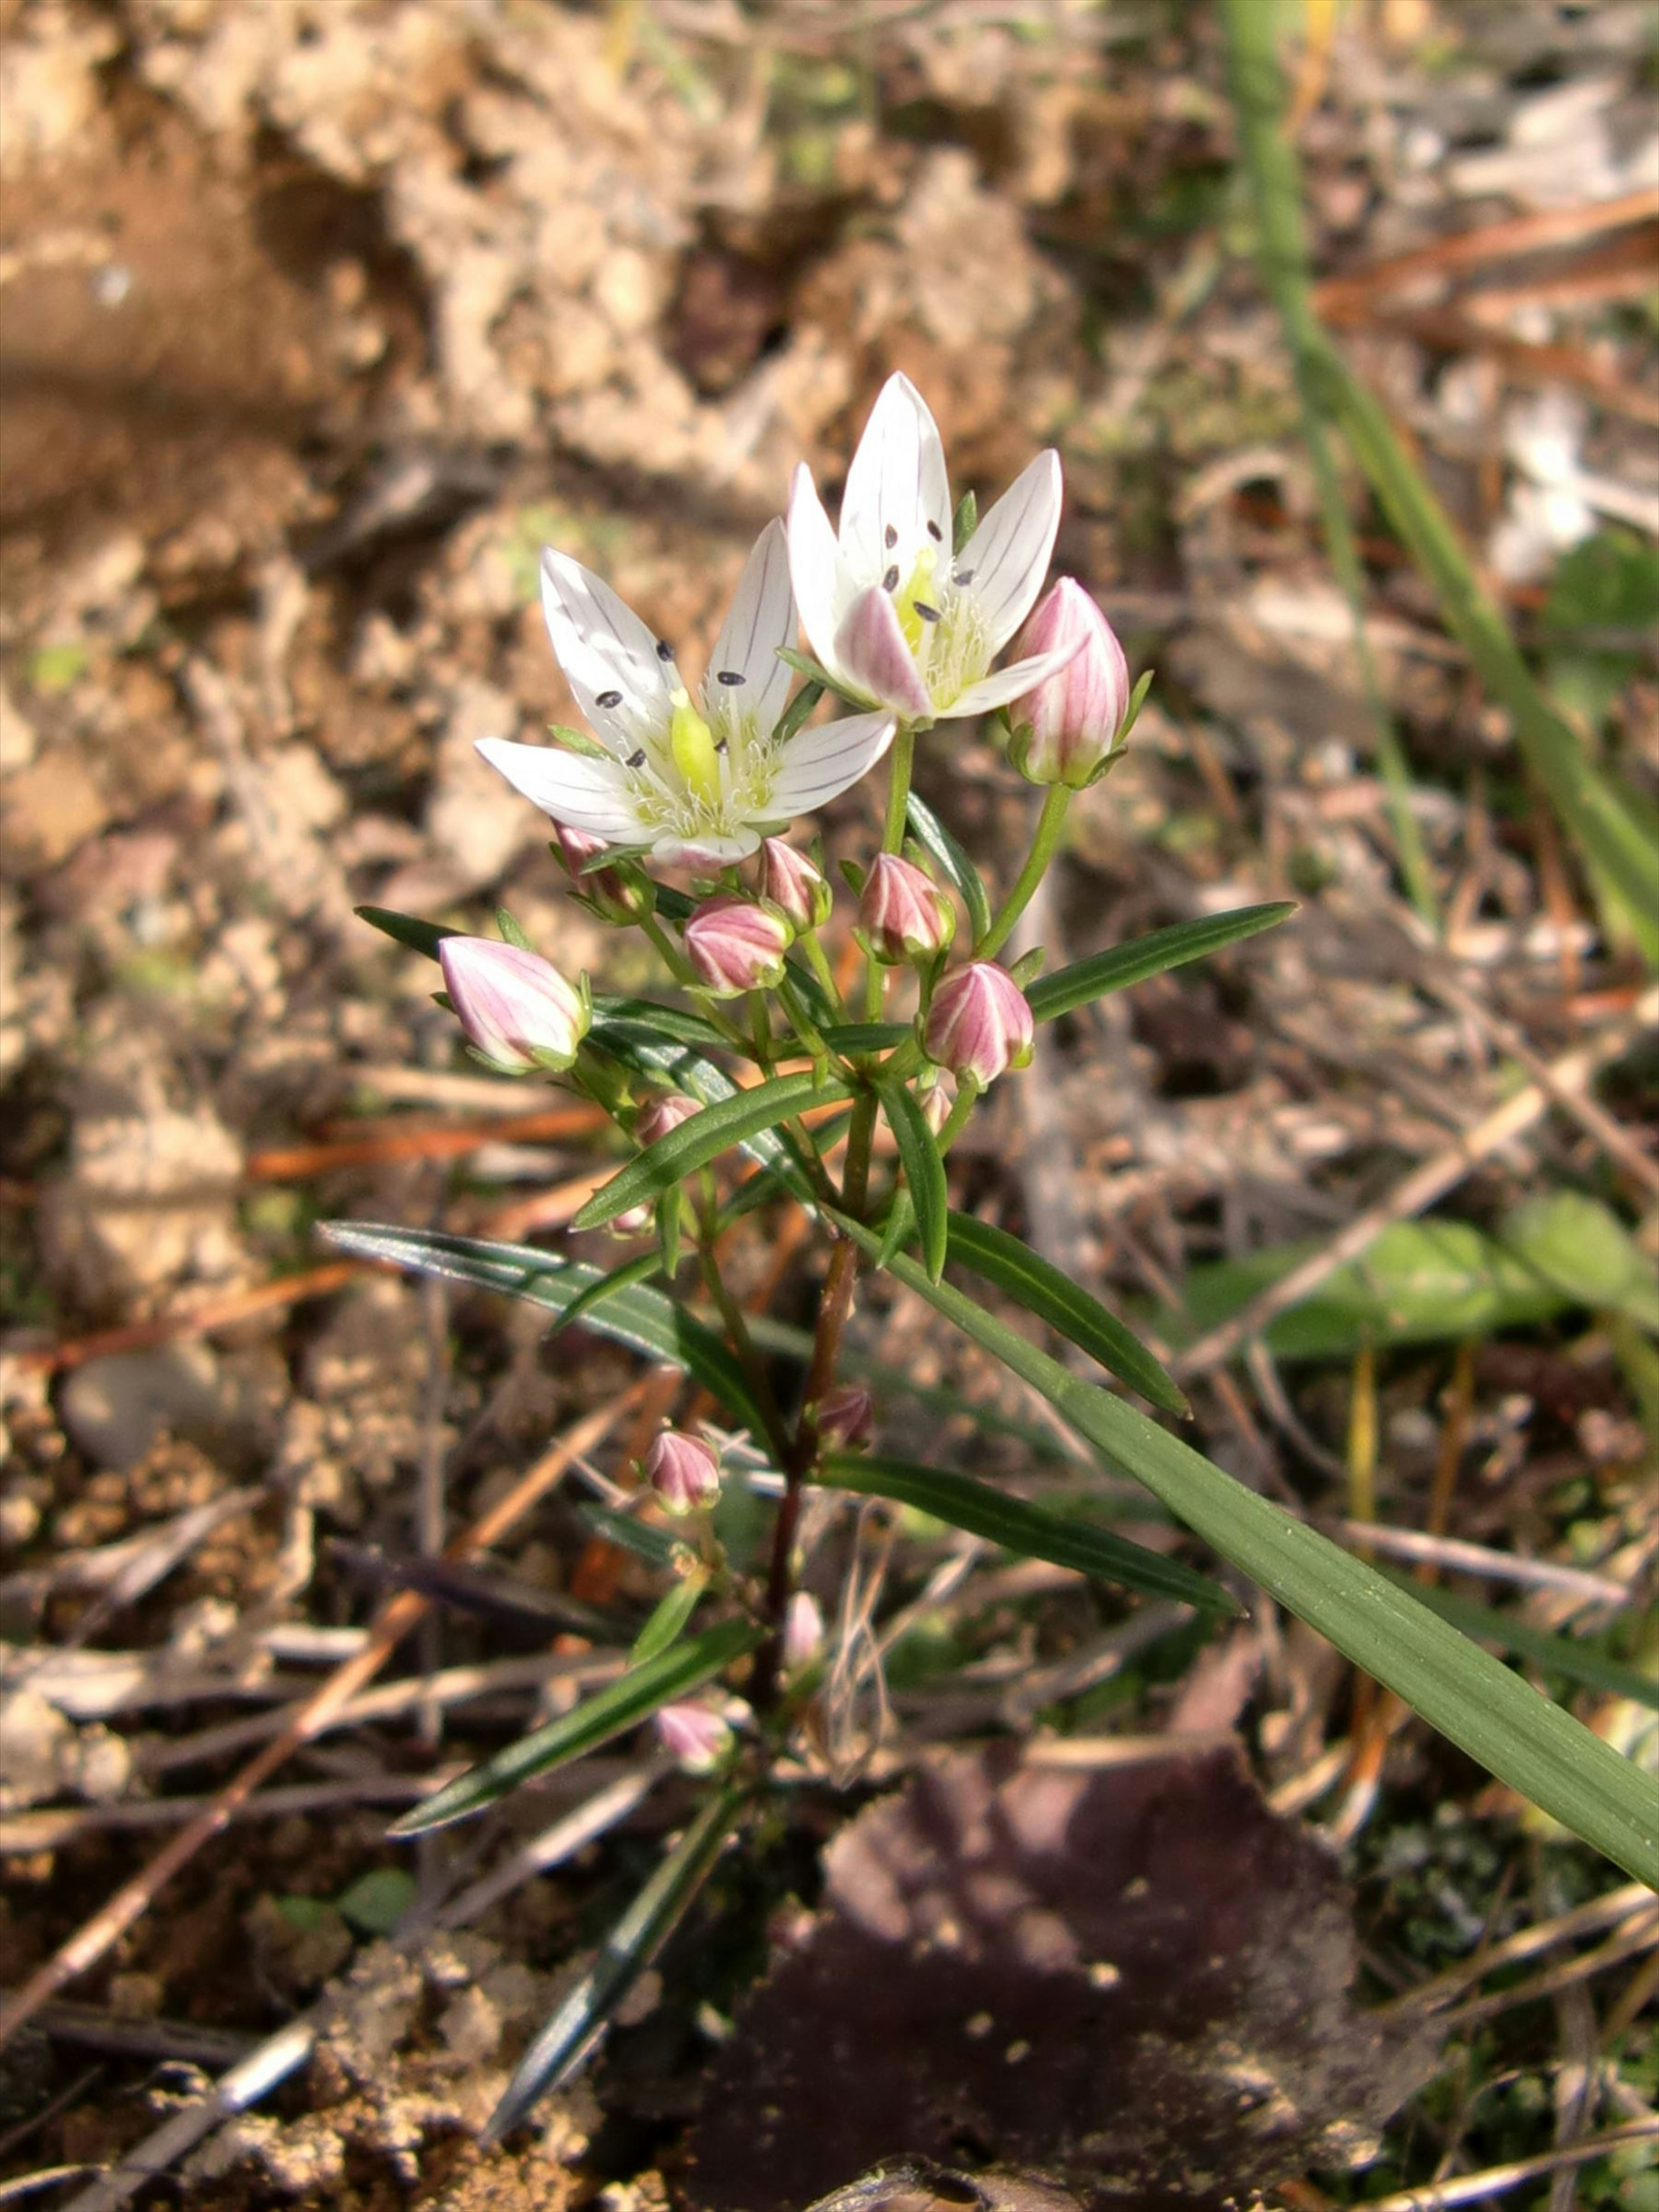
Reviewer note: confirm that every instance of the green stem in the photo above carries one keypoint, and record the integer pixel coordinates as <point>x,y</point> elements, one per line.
<point>760,1031</point>
<point>736,1327</point>
<point>1050,822</point>
<point>819,960</point>
<point>903,758</point>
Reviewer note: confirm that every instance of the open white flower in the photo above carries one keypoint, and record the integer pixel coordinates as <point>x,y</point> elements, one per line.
<point>694,779</point>
<point>891,615</point>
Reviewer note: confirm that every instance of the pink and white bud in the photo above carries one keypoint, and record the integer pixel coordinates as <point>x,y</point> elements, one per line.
<point>846,1419</point>
<point>872,646</point>
<point>616,894</point>
<point>632,1221</point>
<point>734,946</point>
<point>937,1100</point>
<point>683,1471</point>
<point>802,1632</point>
<point>662,1114</point>
<point>1068,727</point>
<point>518,1012</point>
<point>789,882</point>
<point>904,916</point>
<point>576,848</point>
<point>979,1023</point>
<point>694,1734</point>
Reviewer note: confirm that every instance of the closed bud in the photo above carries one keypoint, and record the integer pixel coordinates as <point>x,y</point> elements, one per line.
<point>620,894</point>
<point>846,1419</point>
<point>979,1023</point>
<point>517,1010</point>
<point>1068,728</point>
<point>694,1734</point>
<point>661,1114</point>
<point>789,881</point>
<point>683,1471</point>
<point>735,945</point>
<point>632,1221</point>
<point>937,1100</point>
<point>904,916</point>
<point>802,1632</point>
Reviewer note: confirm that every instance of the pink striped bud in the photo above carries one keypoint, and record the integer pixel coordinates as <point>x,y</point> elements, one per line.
<point>802,1632</point>
<point>694,1734</point>
<point>734,946</point>
<point>903,914</point>
<point>661,1114</point>
<point>870,646</point>
<point>632,1221</point>
<point>846,1419</point>
<point>621,894</point>
<point>979,1023</point>
<point>517,1010</point>
<point>683,1471</point>
<point>1069,728</point>
<point>789,882</point>
<point>937,1102</point>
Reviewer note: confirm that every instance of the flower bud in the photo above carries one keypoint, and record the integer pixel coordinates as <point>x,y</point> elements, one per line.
<point>1069,728</point>
<point>734,946</point>
<point>790,882</point>
<point>694,1734</point>
<point>621,894</point>
<point>802,1632</point>
<point>632,1221</point>
<point>979,1023</point>
<point>937,1101</point>
<point>662,1113</point>
<point>845,1418</point>
<point>683,1471</point>
<point>902,913</point>
<point>518,1012</point>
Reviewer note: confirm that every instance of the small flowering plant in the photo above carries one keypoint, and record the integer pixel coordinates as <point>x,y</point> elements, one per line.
<point>823,1055</point>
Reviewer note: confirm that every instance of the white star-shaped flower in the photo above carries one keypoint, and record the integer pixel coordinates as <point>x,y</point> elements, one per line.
<point>893,616</point>
<point>695,779</point>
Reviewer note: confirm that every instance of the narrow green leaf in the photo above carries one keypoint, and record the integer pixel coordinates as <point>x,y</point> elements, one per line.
<point>924,1170</point>
<point>964,522</point>
<point>628,1949</point>
<point>642,1018</point>
<point>644,1050</point>
<point>866,1036</point>
<point>407,928</point>
<point>702,1139</point>
<point>1470,1697</point>
<point>899,1227</point>
<point>647,1320</point>
<point>948,856</point>
<point>796,713</point>
<point>621,1705</point>
<point>639,1269</point>
<point>669,1619</point>
<point>511,932</point>
<point>1574,1658</point>
<point>1018,1526</point>
<point>657,1547</point>
<point>1042,1289</point>
<point>1149,956</point>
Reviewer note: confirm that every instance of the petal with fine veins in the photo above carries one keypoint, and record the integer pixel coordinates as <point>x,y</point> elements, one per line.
<point>1019,676</point>
<point>871,648</point>
<point>1005,561</point>
<point>604,648</point>
<point>585,794</point>
<point>710,852</point>
<point>815,568</point>
<point>895,487</point>
<point>763,618</point>
<point>824,761</point>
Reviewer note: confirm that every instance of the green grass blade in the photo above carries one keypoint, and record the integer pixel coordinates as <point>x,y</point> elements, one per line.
<point>1031,1282</point>
<point>702,1139</point>
<point>647,1320</point>
<point>1574,1658</point>
<point>1470,1697</point>
<point>1018,1526</point>
<point>952,862</point>
<point>626,1952</point>
<point>924,1171</point>
<point>621,1705</point>
<point>1149,956</point>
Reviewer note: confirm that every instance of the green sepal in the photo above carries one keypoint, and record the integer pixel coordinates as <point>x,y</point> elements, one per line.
<point>964,523</point>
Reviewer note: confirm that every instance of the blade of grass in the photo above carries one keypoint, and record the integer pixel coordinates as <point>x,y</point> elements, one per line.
<point>1160,949</point>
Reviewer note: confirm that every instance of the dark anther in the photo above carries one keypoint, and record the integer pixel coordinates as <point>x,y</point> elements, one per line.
<point>890,581</point>
<point>891,537</point>
<point>665,651</point>
<point>965,575</point>
<point>731,676</point>
<point>934,532</point>
<point>609,699</point>
<point>723,745</point>
<point>637,760</point>
<point>927,613</point>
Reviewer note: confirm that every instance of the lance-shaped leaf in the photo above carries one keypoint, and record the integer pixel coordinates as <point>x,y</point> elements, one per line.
<point>1470,1697</point>
<point>622,1705</point>
<point>1018,1526</point>
<point>406,928</point>
<point>1033,1283</point>
<point>657,1547</point>
<point>1149,956</point>
<point>626,1952</point>
<point>637,1019</point>
<point>702,1139</point>
<point>647,1320</point>
<point>949,858</point>
<point>866,1036</point>
<point>622,1278</point>
<point>1574,1658</point>
<point>671,1618</point>
<point>924,1171</point>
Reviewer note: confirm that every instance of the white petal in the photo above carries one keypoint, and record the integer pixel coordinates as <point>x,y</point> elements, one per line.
<point>820,763</point>
<point>1008,556</point>
<point>1006,683</point>
<point>895,487</point>
<point>604,650</point>
<point>763,618</point>
<point>821,589</point>
<point>584,794</point>
<point>705,852</point>
<point>871,647</point>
